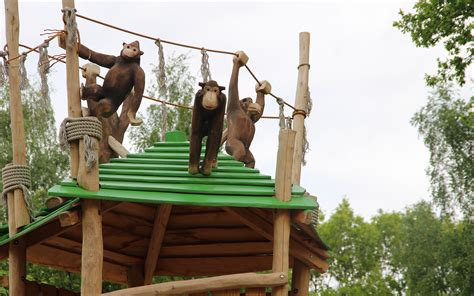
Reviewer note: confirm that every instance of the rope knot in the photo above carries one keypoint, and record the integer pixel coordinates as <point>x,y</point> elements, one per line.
<point>17,176</point>
<point>73,129</point>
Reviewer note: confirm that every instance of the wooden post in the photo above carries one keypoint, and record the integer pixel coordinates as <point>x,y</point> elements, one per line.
<point>92,241</point>
<point>301,272</point>
<point>281,222</point>
<point>17,211</point>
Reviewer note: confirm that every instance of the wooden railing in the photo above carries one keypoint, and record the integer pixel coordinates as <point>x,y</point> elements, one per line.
<point>251,284</point>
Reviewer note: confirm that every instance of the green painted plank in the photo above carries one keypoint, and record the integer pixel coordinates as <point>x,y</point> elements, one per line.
<point>172,155</point>
<point>185,199</point>
<point>187,180</point>
<point>4,239</point>
<point>184,188</point>
<point>160,173</point>
<point>171,144</point>
<point>190,188</point>
<point>142,165</point>
<point>182,149</point>
<point>174,161</point>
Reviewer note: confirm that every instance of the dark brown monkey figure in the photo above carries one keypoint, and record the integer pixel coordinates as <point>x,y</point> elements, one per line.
<point>242,115</point>
<point>208,120</point>
<point>124,75</point>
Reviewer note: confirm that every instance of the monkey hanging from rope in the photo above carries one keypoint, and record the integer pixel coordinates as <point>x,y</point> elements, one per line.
<point>242,115</point>
<point>124,75</point>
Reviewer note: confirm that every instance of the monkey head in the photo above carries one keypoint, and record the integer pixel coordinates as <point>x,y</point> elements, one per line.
<point>211,93</point>
<point>252,109</point>
<point>131,50</point>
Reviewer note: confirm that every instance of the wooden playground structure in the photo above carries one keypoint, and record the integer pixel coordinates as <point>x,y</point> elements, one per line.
<point>142,215</point>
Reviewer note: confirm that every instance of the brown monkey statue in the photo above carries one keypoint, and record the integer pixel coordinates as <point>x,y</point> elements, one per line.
<point>124,75</point>
<point>242,115</point>
<point>208,120</point>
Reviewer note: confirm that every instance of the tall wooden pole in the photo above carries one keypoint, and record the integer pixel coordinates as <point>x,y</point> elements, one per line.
<point>301,272</point>
<point>92,239</point>
<point>17,210</point>
<point>281,219</point>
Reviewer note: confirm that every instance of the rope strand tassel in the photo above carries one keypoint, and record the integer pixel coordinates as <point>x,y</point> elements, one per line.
<point>205,69</point>
<point>281,116</point>
<point>43,70</point>
<point>161,77</point>
<point>24,83</point>
<point>69,18</point>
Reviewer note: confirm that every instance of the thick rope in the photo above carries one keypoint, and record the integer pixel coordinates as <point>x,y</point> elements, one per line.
<point>24,83</point>
<point>3,68</point>
<point>43,69</point>
<point>281,112</point>
<point>69,18</point>
<point>15,176</point>
<point>205,69</point>
<point>73,129</point>
<point>161,77</point>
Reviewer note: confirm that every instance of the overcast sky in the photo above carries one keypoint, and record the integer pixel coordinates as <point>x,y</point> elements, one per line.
<point>366,81</point>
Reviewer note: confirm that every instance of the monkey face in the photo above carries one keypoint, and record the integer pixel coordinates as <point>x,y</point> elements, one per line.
<point>245,103</point>
<point>131,50</point>
<point>210,98</point>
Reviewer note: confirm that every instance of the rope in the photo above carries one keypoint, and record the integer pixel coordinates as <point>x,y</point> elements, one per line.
<point>17,176</point>
<point>205,69</point>
<point>3,68</point>
<point>73,129</point>
<point>43,70</point>
<point>282,113</point>
<point>161,77</point>
<point>24,83</point>
<point>69,18</point>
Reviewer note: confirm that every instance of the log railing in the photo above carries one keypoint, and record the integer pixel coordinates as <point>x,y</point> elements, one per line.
<point>250,283</point>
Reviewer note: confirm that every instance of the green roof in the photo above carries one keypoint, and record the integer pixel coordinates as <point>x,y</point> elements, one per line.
<point>160,175</point>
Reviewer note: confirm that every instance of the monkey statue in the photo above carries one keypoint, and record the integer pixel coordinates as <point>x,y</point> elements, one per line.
<point>208,120</point>
<point>242,115</point>
<point>124,75</point>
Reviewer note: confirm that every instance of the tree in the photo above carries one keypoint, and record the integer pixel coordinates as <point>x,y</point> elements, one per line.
<point>448,22</point>
<point>179,90</point>
<point>446,124</point>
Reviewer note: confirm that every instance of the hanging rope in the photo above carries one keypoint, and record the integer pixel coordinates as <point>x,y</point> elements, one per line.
<point>73,129</point>
<point>3,68</point>
<point>161,77</point>
<point>69,18</point>
<point>281,113</point>
<point>15,176</point>
<point>43,69</point>
<point>205,69</point>
<point>24,83</point>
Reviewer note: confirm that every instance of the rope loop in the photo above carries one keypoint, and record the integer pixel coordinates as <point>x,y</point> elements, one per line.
<point>73,129</point>
<point>299,112</point>
<point>17,176</point>
<point>304,64</point>
<point>205,68</point>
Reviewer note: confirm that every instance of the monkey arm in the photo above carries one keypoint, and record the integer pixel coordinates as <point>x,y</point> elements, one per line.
<point>261,101</point>
<point>233,102</point>
<point>100,59</point>
<point>139,89</point>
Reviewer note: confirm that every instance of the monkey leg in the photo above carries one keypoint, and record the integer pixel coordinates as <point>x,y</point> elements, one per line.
<point>249,160</point>
<point>194,152</point>
<point>92,92</point>
<point>212,146</point>
<point>236,148</point>
<point>106,107</point>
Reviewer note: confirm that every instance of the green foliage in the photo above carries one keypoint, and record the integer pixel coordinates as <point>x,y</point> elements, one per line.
<point>447,22</point>
<point>415,252</point>
<point>446,124</point>
<point>180,90</point>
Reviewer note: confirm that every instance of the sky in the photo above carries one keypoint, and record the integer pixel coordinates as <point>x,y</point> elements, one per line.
<point>366,81</point>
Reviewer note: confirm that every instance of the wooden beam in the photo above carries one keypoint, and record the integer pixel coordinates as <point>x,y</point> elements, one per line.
<point>217,283</point>
<point>159,228</point>
<point>135,276</point>
<point>219,249</point>
<point>117,147</point>
<point>92,248</point>
<point>35,288</point>
<point>69,218</point>
<point>302,217</point>
<point>286,147</point>
<point>54,202</point>
<point>193,220</point>
<point>264,228</point>
<point>71,262</point>
<point>300,279</point>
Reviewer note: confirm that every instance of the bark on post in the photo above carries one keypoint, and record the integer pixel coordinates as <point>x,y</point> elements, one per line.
<point>301,272</point>
<point>17,210</point>
<point>281,222</point>
<point>92,240</point>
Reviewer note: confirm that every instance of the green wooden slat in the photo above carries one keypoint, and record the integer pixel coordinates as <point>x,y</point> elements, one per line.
<point>143,165</point>
<point>224,163</point>
<point>185,199</point>
<point>188,180</point>
<point>172,155</point>
<point>170,144</point>
<point>160,173</point>
<point>180,149</point>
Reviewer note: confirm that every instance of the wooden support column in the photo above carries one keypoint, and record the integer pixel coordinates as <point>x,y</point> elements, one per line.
<point>281,224</point>
<point>17,211</point>
<point>159,228</point>
<point>301,272</point>
<point>92,240</point>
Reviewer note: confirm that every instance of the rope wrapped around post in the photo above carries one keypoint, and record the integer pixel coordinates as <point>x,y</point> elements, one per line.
<point>205,69</point>
<point>73,129</point>
<point>17,176</point>
<point>69,18</point>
